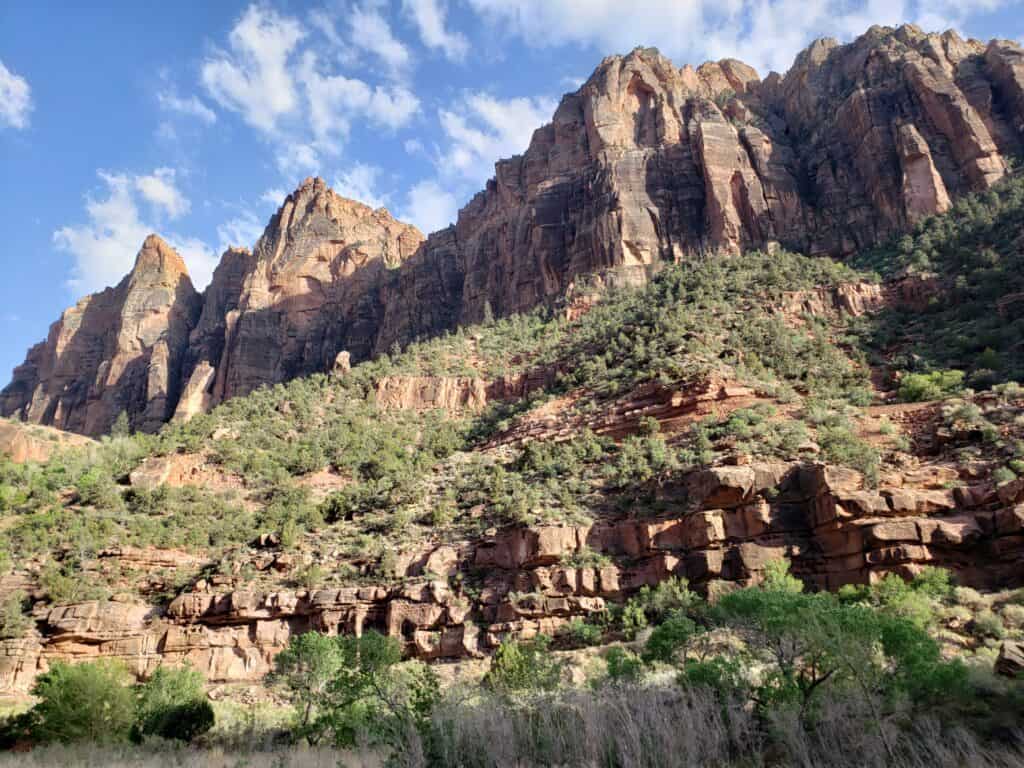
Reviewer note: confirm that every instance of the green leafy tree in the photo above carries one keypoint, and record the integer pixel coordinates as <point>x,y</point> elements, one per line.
<point>173,705</point>
<point>307,669</point>
<point>84,702</point>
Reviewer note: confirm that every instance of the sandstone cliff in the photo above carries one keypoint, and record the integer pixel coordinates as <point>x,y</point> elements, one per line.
<point>120,350</point>
<point>645,163</point>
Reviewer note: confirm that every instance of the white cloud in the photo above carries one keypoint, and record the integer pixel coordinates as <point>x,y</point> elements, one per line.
<point>200,258</point>
<point>360,183</point>
<point>767,34</point>
<point>334,100</point>
<point>254,78</point>
<point>413,146</point>
<point>191,106</point>
<point>483,129</point>
<point>430,207</point>
<point>372,33</point>
<point>429,17</point>
<point>295,159</point>
<point>243,230</point>
<point>105,247</point>
<point>15,99</point>
<point>274,196</point>
<point>158,188</point>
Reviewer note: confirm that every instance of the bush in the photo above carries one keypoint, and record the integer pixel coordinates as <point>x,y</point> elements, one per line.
<point>916,387</point>
<point>84,702</point>
<point>13,621</point>
<point>988,624</point>
<point>622,665</point>
<point>581,633</point>
<point>520,666</point>
<point>173,705</point>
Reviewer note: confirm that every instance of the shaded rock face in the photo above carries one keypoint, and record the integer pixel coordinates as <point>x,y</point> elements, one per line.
<point>720,526</point>
<point>118,350</point>
<point>645,164</point>
<point>305,294</point>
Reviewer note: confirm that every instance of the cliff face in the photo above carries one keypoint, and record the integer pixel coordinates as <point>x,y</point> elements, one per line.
<point>306,293</point>
<point>644,163</point>
<point>647,162</point>
<point>118,350</point>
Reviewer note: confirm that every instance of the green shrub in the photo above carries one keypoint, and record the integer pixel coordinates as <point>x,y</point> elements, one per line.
<point>582,633</point>
<point>622,665</point>
<point>84,702</point>
<point>520,666</point>
<point>988,624</point>
<point>13,621</point>
<point>917,387</point>
<point>669,639</point>
<point>173,705</point>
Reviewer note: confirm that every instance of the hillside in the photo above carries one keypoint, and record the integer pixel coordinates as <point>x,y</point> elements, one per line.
<point>698,439</point>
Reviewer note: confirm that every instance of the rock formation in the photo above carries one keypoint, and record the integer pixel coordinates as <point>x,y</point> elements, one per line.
<point>720,527</point>
<point>117,351</point>
<point>645,163</point>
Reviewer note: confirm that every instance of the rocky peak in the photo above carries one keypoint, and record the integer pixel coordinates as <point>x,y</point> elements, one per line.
<point>157,263</point>
<point>117,350</point>
<point>646,163</point>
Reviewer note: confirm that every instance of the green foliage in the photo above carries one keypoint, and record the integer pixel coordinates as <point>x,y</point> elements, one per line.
<point>64,583</point>
<point>346,686</point>
<point>977,257</point>
<point>581,633</point>
<point>83,702</point>
<point>622,666</point>
<point>654,604</point>
<point>307,669</point>
<point>915,387</point>
<point>173,705</point>
<point>522,666</point>
<point>669,639</point>
<point>13,621</point>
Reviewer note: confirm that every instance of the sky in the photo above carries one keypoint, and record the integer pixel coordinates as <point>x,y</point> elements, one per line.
<point>194,119</point>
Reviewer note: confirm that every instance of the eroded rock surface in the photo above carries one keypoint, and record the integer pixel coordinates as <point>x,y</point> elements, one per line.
<point>720,526</point>
<point>646,163</point>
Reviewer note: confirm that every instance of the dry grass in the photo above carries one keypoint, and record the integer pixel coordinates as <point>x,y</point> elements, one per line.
<point>92,756</point>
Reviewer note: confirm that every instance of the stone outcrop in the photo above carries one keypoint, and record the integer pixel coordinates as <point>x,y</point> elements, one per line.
<point>720,526</point>
<point>117,351</point>
<point>23,442</point>
<point>645,164</point>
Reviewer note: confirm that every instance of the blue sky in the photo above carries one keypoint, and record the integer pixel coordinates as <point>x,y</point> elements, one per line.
<point>194,119</point>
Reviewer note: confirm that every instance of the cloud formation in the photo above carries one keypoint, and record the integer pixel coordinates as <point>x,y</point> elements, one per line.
<point>191,107</point>
<point>254,78</point>
<point>430,206</point>
<point>104,248</point>
<point>429,18</point>
<point>767,34</point>
<point>15,99</point>
<point>360,182</point>
<point>482,129</point>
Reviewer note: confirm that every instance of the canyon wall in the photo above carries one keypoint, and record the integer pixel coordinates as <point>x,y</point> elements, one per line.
<point>645,164</point>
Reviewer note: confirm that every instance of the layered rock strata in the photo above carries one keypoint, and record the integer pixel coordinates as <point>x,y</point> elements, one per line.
<point>645,164</point>
<point>721,526</point>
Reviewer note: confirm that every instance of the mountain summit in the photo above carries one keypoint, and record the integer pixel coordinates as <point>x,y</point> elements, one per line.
<point>645,164</point>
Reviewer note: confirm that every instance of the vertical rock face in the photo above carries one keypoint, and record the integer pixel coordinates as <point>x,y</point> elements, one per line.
<point>118,350</point>
<point>648,163</point>
<point>306,293</point>
<point>645,164</point>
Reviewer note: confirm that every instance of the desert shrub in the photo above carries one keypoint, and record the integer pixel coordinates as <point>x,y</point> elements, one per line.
<point>13,621</point>
<point>521,666</point>
<point>669,639</point>
<point>915,387</point>
<point>622,665</point>
<point>582,633</point>
<point>988,624</point>
<point>1013,616</point>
